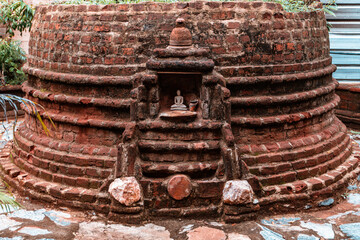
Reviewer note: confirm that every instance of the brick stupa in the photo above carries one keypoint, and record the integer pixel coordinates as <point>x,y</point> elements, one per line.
<point>258,131</point>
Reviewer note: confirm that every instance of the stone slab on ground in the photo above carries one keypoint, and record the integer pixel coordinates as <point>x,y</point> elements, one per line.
<point>206,233</point>
<point>100,230</point>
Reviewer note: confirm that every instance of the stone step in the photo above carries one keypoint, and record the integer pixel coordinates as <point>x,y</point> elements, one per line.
<point>319,169</point>
<point>280,77</point>
<point>285,118</point>
<point>60,194</point>
<point>323,184</point>
<point>307,162</point>
<point>160,125</point>
<point>293,149</point>
<point>96,148</point>
<point>73,99</point>
<point>178,146</point>
<point>79,116</point>
<point>63,174</point>
<point>174,157</point>
<point>194,169</point>
<point>184,135</point>
<point>264,100</point>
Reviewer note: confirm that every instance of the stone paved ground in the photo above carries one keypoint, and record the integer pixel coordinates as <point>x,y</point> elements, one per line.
<point>37,221</point>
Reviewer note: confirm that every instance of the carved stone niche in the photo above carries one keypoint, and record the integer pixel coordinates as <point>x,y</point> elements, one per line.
<point>182,151</point>
<point>182,67</point>
<point>189,85</point>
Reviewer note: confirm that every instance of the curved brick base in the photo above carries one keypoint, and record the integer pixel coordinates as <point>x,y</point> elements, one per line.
<point>39,189</point>
<point>292,196</point>
<point>349,108</point>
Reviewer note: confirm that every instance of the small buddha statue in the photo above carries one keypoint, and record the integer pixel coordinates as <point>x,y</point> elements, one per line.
<point>179,103</point>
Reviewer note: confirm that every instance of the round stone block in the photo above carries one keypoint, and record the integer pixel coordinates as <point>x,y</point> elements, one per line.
<point>179,187</point>
<point>125,190</point>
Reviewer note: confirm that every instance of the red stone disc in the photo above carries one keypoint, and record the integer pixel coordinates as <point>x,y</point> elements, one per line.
<point>179,187</point>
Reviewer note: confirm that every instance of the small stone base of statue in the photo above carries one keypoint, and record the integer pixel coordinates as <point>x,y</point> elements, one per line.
<point>179,103</point>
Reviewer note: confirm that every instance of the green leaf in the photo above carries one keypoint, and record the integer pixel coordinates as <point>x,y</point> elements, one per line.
<point>332,7</point>
<point>12,56</point>
<point>16,15</point>
<point>6,201</point>
<point>329,12</point>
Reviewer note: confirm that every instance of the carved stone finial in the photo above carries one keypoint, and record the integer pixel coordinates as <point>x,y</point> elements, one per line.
<point>180,22</point>
<point>180,35</point>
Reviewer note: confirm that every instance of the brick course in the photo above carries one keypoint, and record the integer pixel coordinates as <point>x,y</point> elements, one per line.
<point>348,109</point>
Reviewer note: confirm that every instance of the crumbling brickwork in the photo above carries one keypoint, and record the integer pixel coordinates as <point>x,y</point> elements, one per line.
<point>349,108</point>
<point>105,75</point>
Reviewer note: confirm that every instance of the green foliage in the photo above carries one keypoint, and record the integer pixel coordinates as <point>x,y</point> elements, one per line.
<point>6,201</point>
<point>12,56</point>
<point>330,7</point>
<point>32,107</point>
<point>354,132</point>
<point>305,5</point>
<point>16,16</point>
<point>96,2</point>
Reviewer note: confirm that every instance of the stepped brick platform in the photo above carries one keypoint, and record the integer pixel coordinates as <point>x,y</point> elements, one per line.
<point>349,108</point>
<point>261,131</point>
